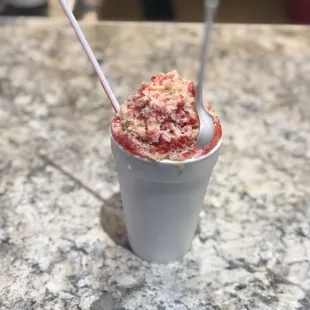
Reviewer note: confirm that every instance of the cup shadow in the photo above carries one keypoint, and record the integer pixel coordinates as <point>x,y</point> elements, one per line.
<point>113,221</point>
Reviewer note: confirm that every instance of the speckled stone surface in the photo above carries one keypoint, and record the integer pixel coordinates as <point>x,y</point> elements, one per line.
<point>62,242</point>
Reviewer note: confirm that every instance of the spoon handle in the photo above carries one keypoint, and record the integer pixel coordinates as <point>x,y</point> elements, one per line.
<point>210,9</point>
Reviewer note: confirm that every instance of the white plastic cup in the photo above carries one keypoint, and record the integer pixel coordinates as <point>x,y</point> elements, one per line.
<point>162,201</point>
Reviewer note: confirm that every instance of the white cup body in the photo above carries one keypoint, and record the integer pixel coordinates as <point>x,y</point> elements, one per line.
<point>162,201</point>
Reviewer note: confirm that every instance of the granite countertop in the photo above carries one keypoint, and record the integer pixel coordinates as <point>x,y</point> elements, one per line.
<point>62,242</point>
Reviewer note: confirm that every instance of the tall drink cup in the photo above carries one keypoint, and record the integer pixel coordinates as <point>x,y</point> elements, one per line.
<point>162,201</point>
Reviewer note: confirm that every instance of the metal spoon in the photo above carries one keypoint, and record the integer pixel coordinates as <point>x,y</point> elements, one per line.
<point>206,127</point>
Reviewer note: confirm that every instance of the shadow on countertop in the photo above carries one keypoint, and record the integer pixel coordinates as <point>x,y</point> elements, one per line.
<point>112,220</point>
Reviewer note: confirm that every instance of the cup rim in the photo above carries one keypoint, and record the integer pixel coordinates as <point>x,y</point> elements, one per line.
<point>170,162</point>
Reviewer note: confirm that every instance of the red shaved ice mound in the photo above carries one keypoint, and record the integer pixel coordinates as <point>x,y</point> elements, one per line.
<point>160,121</point>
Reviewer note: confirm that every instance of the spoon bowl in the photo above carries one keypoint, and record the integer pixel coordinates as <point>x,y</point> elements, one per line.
<point>206,127</point>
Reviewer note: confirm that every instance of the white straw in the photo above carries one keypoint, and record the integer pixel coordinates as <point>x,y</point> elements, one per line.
<point>90,54</point>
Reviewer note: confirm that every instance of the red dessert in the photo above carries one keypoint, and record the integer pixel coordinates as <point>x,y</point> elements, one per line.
<point>160,121</point>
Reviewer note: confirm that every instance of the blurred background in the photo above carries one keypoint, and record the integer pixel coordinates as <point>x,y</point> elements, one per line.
<point>231,11</point>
